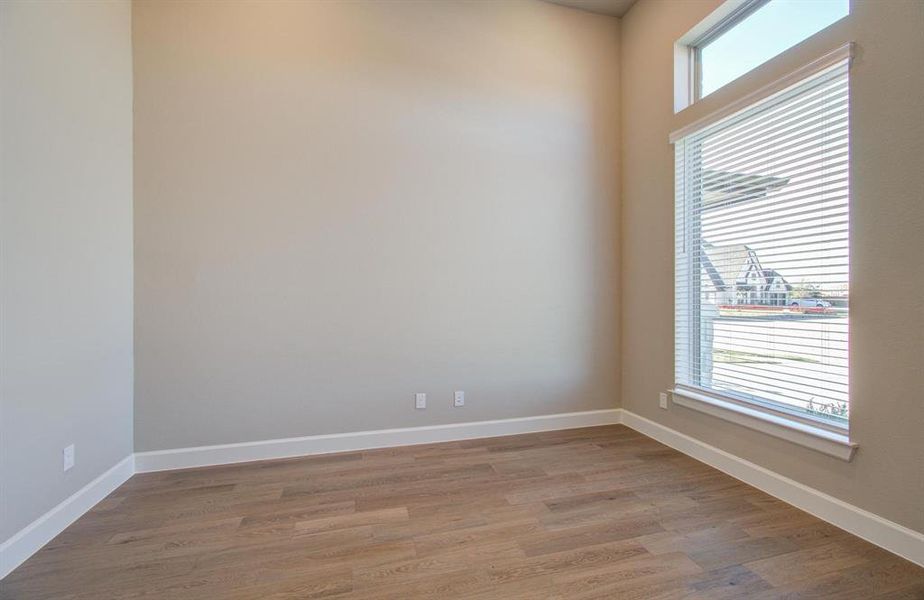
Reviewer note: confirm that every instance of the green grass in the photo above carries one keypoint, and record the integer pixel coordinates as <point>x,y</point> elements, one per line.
<point>738,357</point>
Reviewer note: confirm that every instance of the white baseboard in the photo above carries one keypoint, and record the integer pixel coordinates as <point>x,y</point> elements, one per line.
<point>895,538</point>
<point>201,456</point>
<point>29,540</point>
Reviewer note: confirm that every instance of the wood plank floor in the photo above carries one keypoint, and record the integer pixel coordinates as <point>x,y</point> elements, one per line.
<point>601,512</point>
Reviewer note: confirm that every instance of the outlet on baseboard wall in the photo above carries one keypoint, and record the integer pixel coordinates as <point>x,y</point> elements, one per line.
<point>69,457</point>
<point>420,401</point>
<point>458,398</point>
<point>662,400</point>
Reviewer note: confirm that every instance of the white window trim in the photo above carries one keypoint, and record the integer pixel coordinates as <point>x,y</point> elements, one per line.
<point>739,11</point>
<point>684,49</point>
<point>815,437</point>
<point>843,52</point>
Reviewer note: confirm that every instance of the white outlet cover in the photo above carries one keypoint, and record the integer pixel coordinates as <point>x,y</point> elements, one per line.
<point>420,400</point>
<point>69,457</point>
<point>662,400</point>
<point>458,398</point>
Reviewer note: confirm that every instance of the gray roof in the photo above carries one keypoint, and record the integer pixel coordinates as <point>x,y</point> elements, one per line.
<point>725,265</point>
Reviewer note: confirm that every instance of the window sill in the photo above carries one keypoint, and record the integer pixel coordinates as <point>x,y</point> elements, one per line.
<point>822,440</point>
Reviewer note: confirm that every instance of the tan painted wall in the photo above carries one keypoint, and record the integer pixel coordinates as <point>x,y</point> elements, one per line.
<point>340,204</point>
<point>65,249</point>
<point>887,279</point>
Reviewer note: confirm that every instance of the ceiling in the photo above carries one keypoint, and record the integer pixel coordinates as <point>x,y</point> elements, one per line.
<point>616,8</point>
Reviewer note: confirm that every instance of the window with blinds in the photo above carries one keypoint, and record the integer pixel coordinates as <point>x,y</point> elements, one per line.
<point>762,254</point>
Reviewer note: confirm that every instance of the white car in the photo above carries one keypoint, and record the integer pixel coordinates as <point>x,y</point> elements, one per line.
<point>809,303</point>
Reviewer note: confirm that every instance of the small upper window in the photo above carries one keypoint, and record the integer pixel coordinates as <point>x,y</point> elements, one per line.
<point>759,31</point>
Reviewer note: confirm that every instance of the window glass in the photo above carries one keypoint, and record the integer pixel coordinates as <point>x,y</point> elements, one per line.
<point>766,32</point>
<point>763,252</point>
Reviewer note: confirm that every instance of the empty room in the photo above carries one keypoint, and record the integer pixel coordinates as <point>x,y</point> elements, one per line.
<point>508,299</point>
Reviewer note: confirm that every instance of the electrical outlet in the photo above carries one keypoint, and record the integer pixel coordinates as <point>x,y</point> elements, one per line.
<point>662,400</point>
<point>69,458</point>
<point>458,399</point>
<point>420,401</point>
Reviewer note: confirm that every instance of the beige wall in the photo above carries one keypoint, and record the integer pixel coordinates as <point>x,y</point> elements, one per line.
<point>340,204</point>
<point>887,287</point>
<point>65,249</point>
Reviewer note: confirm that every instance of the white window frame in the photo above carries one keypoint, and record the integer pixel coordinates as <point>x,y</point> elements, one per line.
<point>739,11</point>
<point>686,55</point>
<point>688,49</point>
<point>829,438</point>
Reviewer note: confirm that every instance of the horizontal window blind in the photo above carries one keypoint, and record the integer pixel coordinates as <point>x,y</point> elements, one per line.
<point>762,253</point>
